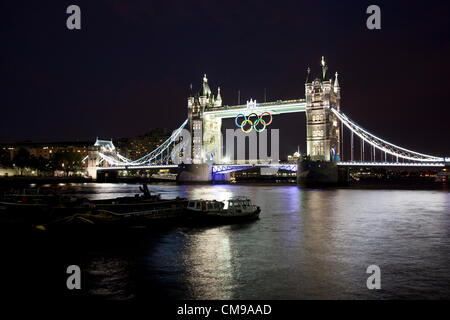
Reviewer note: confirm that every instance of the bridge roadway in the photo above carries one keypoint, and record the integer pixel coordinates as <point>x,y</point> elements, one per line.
<point>226,168</point>
<point>217,168</point>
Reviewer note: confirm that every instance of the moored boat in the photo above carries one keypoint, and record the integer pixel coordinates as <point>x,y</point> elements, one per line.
<point>228,212</point>
<point>108,220</point>
<point>22,210</point>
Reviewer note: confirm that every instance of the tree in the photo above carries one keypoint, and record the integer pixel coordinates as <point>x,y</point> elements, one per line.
<point>72,161</point>
<point>22,159</point>
<point>66,161</point>
<point>5,158</point>
<point>43,165</point>
<point>39,164</point>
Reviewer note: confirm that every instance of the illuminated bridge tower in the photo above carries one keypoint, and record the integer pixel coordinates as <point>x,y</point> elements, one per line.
<point>205,134</point>
<point>205,130</point>
<point>195,115</point>
<point>322,127</point>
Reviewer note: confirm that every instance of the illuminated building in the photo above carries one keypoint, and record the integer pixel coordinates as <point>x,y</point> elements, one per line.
<point>135,148</point>
<point>294,157</point>
<point>47,149</point>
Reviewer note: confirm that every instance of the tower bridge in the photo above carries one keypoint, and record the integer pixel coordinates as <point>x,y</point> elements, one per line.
<point>195,149</point>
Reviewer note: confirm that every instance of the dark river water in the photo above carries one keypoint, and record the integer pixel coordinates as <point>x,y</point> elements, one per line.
<point>308,244</point>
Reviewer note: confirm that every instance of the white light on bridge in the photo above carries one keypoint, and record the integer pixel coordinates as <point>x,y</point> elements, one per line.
<point>391,164</point>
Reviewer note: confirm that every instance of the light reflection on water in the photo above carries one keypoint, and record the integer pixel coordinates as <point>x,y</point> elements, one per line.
<point>109,277</point>
<point>308,244</point>
<point>209,264</point>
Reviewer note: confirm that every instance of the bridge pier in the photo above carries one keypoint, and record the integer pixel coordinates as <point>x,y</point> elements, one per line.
<point>194,173</point>
<point>321,173</point>
<point>202,173</point>
<point>93,161</point>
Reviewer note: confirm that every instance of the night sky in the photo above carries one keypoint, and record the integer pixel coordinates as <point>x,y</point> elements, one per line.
<point>128,70</point>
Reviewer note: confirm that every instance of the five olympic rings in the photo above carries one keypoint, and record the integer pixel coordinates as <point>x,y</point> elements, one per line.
<point>253,124</point>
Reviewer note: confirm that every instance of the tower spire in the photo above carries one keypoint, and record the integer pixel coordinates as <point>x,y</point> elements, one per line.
<point>336,82</point>
<point>218,102</point>
<point>205,93</point>
<point>219,96</point>
<point>308,72</point>
<point>324,68</point>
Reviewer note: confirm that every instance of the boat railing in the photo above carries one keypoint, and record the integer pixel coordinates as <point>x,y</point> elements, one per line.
<point>154,212</point>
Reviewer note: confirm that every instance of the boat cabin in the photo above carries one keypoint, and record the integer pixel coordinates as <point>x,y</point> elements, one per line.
<point>205,205</point>
<point>233,205</point>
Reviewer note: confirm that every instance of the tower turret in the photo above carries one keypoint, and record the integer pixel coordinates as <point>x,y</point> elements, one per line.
<point>308,72</point>
<point>337,91</point>
<point>205,92</point>
<point>324,68</point>
<point>190,98</point>
<point>218,102</point>
<point>336,83</point>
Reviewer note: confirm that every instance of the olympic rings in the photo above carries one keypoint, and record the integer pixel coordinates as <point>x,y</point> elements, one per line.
<point>269,116</point>
<point>253,124</point>
<point>256,123</point>
<point>243,124</point>
<point>237,117</point>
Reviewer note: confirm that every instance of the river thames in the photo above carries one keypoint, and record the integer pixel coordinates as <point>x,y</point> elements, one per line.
<point>308,244</point>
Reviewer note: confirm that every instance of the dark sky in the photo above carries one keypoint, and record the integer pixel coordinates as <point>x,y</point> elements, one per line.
<point>129,68</point>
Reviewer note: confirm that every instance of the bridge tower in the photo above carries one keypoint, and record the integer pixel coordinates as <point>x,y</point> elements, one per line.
<point>322,126</point>
<point>205,131</point>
